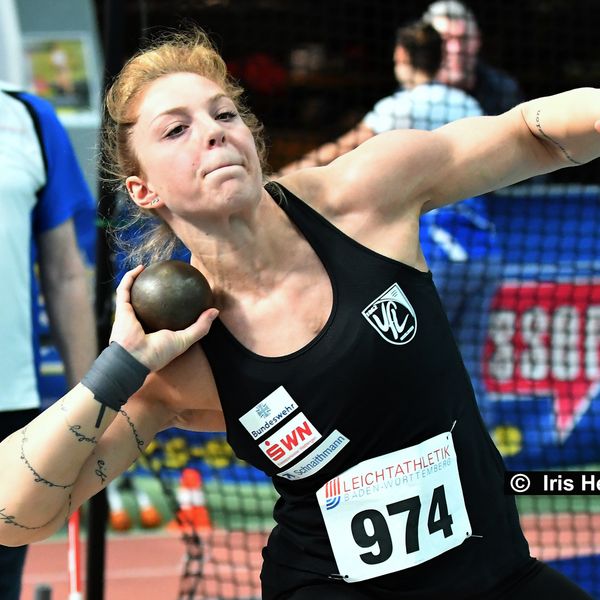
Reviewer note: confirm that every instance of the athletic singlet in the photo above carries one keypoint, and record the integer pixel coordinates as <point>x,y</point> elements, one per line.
<point>378,398</point>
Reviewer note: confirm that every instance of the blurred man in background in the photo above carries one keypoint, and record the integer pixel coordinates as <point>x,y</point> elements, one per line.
<point>421,102</point>
<point>462,67</point>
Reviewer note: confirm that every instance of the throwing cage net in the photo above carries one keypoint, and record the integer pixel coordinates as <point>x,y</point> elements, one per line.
<point>519,269</point>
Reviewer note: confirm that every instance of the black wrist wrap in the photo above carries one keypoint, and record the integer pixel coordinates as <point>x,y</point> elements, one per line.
<point>115,376</point>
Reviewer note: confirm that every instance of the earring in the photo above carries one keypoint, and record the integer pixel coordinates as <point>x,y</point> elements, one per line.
<point>155,201</point>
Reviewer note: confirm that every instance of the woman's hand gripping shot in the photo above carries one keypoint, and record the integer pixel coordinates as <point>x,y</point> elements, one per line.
<point>88,437</point>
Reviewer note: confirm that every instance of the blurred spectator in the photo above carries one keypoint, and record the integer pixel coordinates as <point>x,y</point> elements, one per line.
<point>42,191</point>
<point>420,103</point>
<point>461,67</point>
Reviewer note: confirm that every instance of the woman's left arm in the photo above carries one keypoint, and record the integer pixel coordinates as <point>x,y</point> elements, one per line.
<point>408,171</point>
<point>536,137</point>
<point>567,124</point>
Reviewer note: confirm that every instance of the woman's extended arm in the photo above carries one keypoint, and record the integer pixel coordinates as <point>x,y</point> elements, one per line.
<point>536,137</point>
<point>403,171</point>
<point>74,448</point>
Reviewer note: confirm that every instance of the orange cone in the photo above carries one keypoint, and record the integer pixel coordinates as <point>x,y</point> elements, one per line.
<point>150,517</point>
<point>190,495</point>
<point>118,516</point>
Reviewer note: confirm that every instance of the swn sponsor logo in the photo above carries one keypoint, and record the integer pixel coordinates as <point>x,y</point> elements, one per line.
<point>290,440</point>
<point>333,493</point>
<point>544,340</point>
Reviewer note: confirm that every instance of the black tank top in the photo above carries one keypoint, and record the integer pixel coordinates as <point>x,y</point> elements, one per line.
<point>382,375</point>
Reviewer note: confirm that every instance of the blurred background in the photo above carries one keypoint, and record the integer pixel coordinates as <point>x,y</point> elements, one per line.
<point>312,70</point>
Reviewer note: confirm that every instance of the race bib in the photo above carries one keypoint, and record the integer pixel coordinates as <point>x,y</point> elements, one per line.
<point>395,511</point>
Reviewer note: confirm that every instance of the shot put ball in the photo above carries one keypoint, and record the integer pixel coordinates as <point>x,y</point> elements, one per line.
<point>170,295</point>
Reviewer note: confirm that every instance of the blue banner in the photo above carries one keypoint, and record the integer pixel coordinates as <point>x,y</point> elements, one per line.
<point>541,365</point>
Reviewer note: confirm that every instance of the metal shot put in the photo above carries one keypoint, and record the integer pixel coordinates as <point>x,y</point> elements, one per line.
<point>170,295</point>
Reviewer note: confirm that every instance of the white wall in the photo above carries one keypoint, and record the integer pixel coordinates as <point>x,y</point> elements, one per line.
<point>12,65</point>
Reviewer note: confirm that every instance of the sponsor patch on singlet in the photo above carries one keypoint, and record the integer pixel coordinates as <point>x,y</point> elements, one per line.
<point>392,316</point>
<point>268,413</point>
<point>318,458</point>
<point>290,440</point>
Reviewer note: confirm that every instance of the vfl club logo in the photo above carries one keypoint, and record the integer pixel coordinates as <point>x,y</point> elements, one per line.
<point>392,316</point>
<point>332,493</point>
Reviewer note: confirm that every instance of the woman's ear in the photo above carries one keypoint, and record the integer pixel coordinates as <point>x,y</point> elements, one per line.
<point>140,193</point>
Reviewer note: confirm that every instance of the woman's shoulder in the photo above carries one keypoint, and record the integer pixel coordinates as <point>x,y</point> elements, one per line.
<point>360,180</point>
<point>329,190</point>
<point>311,185</point>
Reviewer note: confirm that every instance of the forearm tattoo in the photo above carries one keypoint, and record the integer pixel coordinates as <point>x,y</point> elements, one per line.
<point>138,441</point>
<point>76,429</point>
<point>80,436</point>
<point>566,154</point>
<point>101,470</point>
<point>10,520</point>
<point>37,477</point>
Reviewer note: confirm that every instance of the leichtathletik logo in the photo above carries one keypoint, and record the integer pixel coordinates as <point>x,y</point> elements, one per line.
<point>392,316</point>
<point>332,493</point>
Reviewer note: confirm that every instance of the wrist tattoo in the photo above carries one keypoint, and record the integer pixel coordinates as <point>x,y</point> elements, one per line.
<point>138,441</point>
<point>100,471</point>
<point>37,477</point>
<point>538,125</point>
<point>75,429</point>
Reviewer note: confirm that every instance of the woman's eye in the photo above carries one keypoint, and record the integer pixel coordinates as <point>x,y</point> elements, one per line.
<point>175,131</point>
<point>226,115</point>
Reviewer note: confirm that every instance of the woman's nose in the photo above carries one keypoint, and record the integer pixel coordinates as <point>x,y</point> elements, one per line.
<point>216,139</point>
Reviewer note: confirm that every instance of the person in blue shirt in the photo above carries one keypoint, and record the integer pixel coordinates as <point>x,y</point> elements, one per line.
<point>43,194</point>
<point>421,101</point>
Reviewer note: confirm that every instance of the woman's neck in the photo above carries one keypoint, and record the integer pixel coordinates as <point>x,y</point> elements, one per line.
<point>248,252</point>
